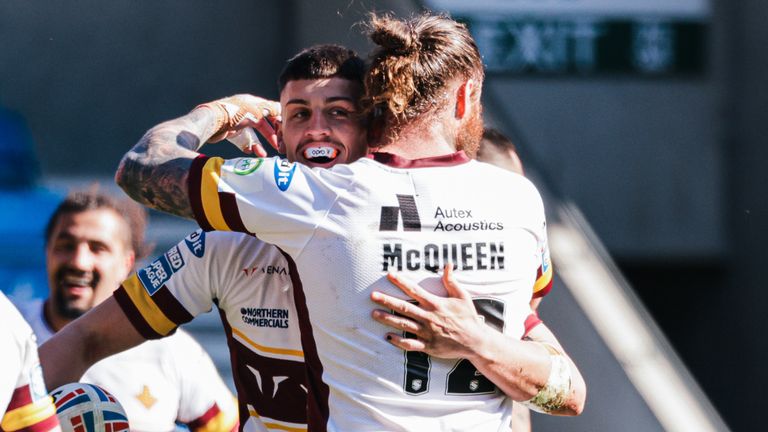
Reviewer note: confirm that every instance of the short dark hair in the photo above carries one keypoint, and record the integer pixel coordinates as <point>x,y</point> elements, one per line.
<point>134,215</point>
<point>497,139</point>
<point>323,61</point>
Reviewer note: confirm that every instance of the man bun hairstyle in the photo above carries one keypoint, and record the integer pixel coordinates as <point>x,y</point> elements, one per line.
<point>323,61</point>
<point>414,61</point>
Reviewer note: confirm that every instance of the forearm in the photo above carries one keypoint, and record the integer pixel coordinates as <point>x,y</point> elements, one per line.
<point>518,368</point>
<point>522,368</point>
<point>103,331</point>
<point>154,172</point>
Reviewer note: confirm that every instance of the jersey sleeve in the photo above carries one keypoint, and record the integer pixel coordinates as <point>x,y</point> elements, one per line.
<point>206,403</point>
<point>279,201</point>
<point>544,274</point>
<point>24,401</point>
<point>173,288</point>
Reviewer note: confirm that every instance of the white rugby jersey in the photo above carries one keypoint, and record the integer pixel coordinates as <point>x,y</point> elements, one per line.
<point>343,229</point>
<point>250,284</point>
<point>24,401</point>
<point>158,382</point>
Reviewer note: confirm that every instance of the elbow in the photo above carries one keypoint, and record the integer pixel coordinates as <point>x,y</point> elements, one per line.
<point>578,399</point>
<point>120,177</point>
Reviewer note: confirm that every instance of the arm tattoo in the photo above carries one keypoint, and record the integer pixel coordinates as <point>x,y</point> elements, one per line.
<point>154,172</point>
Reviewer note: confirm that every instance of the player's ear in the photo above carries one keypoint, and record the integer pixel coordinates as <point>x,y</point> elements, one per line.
<point>280,142</point>
<point>130,261</point>
<point>464,98</point>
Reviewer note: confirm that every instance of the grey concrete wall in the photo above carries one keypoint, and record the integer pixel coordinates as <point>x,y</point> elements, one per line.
<point>91,76</point>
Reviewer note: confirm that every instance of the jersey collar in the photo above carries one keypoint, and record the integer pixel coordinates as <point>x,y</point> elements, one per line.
<point>396,161</point>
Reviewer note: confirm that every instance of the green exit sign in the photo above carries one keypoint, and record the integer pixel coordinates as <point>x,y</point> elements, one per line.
<point>583,46</point>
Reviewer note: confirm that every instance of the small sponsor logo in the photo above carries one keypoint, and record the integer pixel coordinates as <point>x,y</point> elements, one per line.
<point>265,317</point>
<point>245,166</point>
<point>196,243</point>
<point>284,174</point>
<point>390,215</point>
<point>474,385</point>
<point>156,274</point>
<point>416,384</point>
<point>267,269</point>
<point>454,219</point>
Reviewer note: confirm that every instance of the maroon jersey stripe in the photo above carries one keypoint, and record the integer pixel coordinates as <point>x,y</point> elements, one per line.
<point>195,194</point>
<point>545,290</point>
<point>396,161</point>
<point>171,307</point>
<point>21,397</point>
<point>205,418</point>
<point>234,359</point>
<point>231,213</point>
<point>317,400</point>
<point>134,316</point>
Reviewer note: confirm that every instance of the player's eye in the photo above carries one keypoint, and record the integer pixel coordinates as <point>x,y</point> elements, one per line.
<point>339,112</point>
<point>99,247</point>
<point>299,115</point>
<point>64,246</point>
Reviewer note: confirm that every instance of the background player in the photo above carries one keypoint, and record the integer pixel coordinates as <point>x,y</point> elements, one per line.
<point>92,243</point>
<point>24,401</point>
<point>496,148</point>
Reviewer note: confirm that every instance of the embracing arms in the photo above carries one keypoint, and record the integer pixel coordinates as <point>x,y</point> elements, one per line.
<point>449,327</point>
<point>154,172</point>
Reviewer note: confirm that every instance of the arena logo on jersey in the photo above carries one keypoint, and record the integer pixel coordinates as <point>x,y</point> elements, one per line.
<point>284,170</point>
<point>196,243</point>
<point>245,166</point>
<point>265,317</point>
<point>155,275</point>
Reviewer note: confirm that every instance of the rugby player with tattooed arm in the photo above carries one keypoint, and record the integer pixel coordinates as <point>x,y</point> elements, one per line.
<point>333,225</point>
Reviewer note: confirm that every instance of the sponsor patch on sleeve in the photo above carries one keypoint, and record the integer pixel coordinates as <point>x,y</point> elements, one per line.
<point>36,383</point>
<point>156,274</point>
<point>196,243</point>
<point>284,170</point>
<point>245,166</point>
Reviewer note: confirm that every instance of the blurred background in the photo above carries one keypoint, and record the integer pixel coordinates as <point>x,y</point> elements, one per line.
<point>643,122</point>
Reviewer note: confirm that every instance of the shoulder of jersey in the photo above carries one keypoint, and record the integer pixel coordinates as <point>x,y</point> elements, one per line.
<point>198,242</point>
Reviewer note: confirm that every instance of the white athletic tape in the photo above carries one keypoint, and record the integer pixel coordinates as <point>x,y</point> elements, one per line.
<point>244,139</point>
<point>554,394</point>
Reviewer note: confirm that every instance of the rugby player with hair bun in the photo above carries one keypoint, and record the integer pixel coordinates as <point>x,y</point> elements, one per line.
<point>345,231</point>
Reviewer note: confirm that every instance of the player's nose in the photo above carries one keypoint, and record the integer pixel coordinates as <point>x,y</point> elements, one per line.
<point>82,258</point>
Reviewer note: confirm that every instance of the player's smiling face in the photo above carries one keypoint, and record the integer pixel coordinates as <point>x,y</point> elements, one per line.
<point>322,125</point>
<point>87,257</point>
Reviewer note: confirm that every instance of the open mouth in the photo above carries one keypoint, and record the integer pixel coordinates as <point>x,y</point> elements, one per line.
<point>321,155</point>
<point>76,284</point>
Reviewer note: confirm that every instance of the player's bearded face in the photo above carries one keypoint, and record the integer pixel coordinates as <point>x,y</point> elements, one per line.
<point>321,123</point>
<point>86,259</point>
